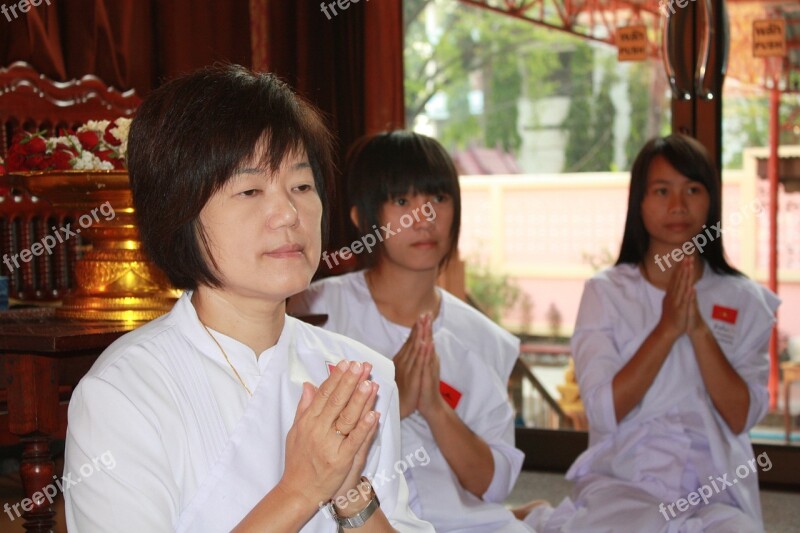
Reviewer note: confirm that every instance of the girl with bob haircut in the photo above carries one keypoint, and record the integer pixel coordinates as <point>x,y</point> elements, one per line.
<point>388,167</point>
<point>671,359</point>
<point>451,363</point>
<point>225,414</point>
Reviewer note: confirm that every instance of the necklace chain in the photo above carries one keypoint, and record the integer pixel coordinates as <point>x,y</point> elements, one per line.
<point>213,338</point>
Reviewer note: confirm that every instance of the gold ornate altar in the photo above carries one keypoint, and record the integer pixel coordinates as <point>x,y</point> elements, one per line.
<point>115,279</point>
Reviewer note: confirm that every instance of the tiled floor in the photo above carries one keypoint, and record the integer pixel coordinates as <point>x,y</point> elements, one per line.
<point>781,509</point>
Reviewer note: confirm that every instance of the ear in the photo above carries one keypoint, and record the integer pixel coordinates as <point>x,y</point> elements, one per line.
<point>354,216</point>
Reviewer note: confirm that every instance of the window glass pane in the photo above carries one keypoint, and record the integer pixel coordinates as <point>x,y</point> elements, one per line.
<point>543,127</point>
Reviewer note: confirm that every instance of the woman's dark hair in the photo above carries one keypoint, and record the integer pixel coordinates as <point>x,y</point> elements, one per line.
<point>187,140</point>
<point>385,166</point>
<point>690,158</point>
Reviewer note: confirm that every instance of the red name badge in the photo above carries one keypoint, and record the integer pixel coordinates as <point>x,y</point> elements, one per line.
<point>451,395</point>
<point>724,314</point>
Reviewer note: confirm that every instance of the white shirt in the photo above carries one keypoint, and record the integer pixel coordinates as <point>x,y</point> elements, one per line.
<point>476,358</point>
<point>164,403</point>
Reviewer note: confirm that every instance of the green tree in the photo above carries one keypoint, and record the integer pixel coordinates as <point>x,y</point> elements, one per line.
<point>474,50</point>
<point>603,118</point>
<point>493,293</point>
<point>463,127</point>
<point>436,63</point>
<point>638,77</point>
<point>502,96</point>
<point>591,116</point>
<point>747,120</point>
<point>454,51</point>
<point>579,150</point>
<point>649,101</point>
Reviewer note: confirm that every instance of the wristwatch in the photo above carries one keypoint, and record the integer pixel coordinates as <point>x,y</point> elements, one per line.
<point>360,518</point>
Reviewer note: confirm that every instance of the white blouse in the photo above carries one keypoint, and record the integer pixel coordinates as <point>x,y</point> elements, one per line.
<point>164,403</point>
<point>476,358</point>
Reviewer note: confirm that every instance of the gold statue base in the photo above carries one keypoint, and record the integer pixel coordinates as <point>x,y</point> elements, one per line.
<point>128,309</point>
<point>115,280</point>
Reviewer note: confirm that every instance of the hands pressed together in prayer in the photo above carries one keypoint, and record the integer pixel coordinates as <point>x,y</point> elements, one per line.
<point>680,313</point>
<point>417,371</point>
<point>417,375</point>
<point>334,426</point>
<point>728,391</point>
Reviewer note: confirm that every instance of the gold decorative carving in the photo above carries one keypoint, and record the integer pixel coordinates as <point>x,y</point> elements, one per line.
<point>115,279</point>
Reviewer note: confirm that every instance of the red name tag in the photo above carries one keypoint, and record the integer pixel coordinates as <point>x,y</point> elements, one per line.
<point>725,314</point>
<point>451,395</point>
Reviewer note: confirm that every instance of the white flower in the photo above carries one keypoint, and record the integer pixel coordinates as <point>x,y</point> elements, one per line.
<point>88,161</point>
<point>95,125</point>
<point>120,133</point>
<point>69,140</point>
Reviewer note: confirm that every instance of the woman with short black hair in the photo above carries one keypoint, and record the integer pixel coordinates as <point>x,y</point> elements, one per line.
<point>225,414</point>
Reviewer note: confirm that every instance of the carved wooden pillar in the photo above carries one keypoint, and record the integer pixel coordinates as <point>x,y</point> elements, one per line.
<point>34,418</point>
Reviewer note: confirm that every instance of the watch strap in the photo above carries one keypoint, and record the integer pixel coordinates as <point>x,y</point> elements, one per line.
<point>360,518</point>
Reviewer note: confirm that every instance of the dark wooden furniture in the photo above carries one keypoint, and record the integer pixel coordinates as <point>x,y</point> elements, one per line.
<point>31,102</point>
<point>24,220</point>
<point>41,360</point>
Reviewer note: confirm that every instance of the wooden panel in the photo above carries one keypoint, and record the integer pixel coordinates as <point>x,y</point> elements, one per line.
<point>33,102</point>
